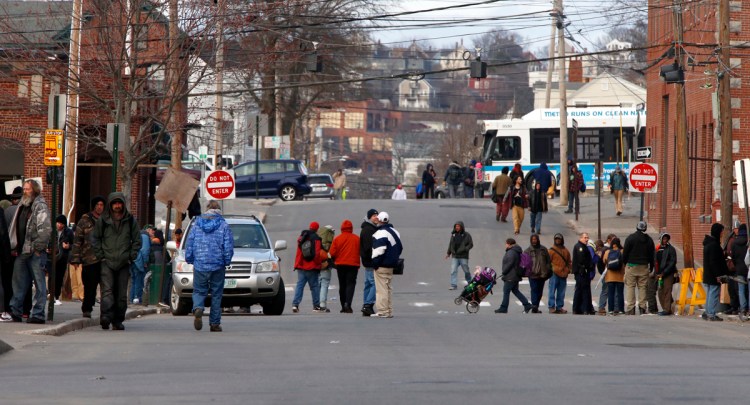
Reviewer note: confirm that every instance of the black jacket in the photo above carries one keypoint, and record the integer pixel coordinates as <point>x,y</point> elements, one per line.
<point>5,258</point>
<point>365,242</point>
<point>738,251</point>
<point>460,243</point>
<point>639,249</point>
<point>510,264</point>
<point>714,263</point>
<point>538,201</point>
<point>666,260</point>
<point>582,263</point>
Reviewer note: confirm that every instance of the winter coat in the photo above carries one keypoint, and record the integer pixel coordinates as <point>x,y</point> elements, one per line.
<point>576,183</point>
<point>345,247</point>
<point>65,236</point>
<point>560,258</point>
<point>639,249</point>
<point>501,184</point>
<point>738,253</point>
<point>665,260</point>
<point>320,255</point>
<point>510,273</point>
<point>326,237</point>
<point>583,264</point>
<point>5,257</point>
<point>339,181</point>
<point>454,175</point>
<point>427,177</point>
<point>618,180</point>
<point>541,267</point>
<point>714,263</point>
<point>543,176</point>
<point>386,246</point>
<point>141,261</point>
<point>82,251</point>
<point>538,201</point>
<point>365,242</point>
<point>460,243</point>
<point>614,276</point>
<point>117,244</point>
<point>514,192</point>
<point>210,243</point>
<point>38,228</point>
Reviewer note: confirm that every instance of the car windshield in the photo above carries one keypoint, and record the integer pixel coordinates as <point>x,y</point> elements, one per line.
<point>249,236</point>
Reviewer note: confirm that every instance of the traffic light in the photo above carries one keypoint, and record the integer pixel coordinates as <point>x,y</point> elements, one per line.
<point>478,69</point>
<point>672,74</point>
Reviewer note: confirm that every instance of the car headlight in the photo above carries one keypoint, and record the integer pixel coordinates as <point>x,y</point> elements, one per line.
<point>266,267</point>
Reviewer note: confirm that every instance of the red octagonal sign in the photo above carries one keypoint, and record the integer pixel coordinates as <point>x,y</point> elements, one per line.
<point>220,184</point>
<point>644,177</point>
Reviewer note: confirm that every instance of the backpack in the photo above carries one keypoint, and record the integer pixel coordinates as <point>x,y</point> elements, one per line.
<point>613,260</point>
<point>307,246</point>
<point>583,187</point>
<point>454,175</point>
<point>525,264</point>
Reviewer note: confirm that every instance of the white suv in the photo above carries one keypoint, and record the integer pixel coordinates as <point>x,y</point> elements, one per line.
<point>252,278</point>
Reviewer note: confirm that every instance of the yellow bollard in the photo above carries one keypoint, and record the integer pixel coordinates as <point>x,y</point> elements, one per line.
<point>699,293</point>
<point>691,282</point>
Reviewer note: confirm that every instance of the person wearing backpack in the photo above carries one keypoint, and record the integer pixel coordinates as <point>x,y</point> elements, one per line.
<point>615,277</point>
<point>606,245</point>
<point>453,178</point>
<point>561,267</point>
<point>326,235</point>
<point>583,264</point>
<point>666,269</point>
<point>618,185</point>
<point>511,276</point>
<point>307,263</point>
<point>541,270</point>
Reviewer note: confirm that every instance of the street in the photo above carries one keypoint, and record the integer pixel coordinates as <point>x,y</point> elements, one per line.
<point>431,352</point>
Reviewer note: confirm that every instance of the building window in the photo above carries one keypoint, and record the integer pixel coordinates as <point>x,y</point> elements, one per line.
<point>140,32</point>
<point>354,120</point>
<point>330,119</point>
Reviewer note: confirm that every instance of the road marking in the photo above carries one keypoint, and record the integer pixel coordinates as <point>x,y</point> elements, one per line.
<point>422,283</point>
<point>484,304</point>
<point>422,304</point>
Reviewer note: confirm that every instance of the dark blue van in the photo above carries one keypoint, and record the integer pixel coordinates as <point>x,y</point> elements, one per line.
<point>283,178</point>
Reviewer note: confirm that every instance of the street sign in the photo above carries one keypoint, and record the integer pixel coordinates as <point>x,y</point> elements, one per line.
<point>53,147</point>
<point>202,152</point>
<point>643,153</point>
<point>219,185</point>
<point>644,177</point>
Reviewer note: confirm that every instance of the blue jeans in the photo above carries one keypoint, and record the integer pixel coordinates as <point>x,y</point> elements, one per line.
<point>557,287</point>
<point>136,287</point>
<point>512,287</point>
<point>369,291</point>
<point>712,298</point>
<point>743,296</point>
<point>26,268</point>
<point>455,264</point>
<point>205,282</point>
<point>615,296</point>
<point>536,221</point>
<point>310,277</point>
<point>325,281</point>
<point>573,197</point>
<point>453,191</point>
<point>537,290</point>
<point>603,294</point>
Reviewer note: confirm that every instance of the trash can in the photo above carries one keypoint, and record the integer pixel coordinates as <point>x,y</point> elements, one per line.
<point>154,292</point>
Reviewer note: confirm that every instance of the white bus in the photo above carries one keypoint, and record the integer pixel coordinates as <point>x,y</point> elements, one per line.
<point>535,138</point>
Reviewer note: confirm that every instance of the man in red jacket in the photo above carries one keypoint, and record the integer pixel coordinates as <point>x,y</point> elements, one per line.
<point>345,254</point>
<point>308,269</point>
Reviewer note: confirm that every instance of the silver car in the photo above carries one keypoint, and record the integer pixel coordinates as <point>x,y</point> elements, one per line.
<point>322,186</point>
<point>252,278</point>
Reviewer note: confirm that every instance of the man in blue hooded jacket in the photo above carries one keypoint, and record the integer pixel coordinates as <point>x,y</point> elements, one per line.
<point>209,248</point>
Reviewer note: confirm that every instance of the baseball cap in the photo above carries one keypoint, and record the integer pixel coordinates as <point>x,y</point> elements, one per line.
<point>383,217</point>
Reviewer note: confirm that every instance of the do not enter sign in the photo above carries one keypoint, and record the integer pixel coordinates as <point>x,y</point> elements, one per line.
<point>644,177</point>
<point>219,184</point>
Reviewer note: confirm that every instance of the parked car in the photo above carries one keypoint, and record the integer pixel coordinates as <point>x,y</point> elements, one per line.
<point>252,278</point>
<point>322,186</point>
<point>162,169</point>
<point>283,178</point>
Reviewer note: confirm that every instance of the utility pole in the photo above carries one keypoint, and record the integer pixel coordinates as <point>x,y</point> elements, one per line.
<point>550,65</point>
<point>560,23</point>
<point>176,131</point>
<point>682,147</point>
<point>71,134</point>
<point>725,116</point>
<point>219,118</point>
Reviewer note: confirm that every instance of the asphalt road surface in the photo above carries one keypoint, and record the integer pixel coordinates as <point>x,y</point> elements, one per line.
<point>432,351</point>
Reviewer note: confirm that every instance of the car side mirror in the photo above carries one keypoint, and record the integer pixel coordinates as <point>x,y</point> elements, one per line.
<point>172,246</point>
<point>279,245</point>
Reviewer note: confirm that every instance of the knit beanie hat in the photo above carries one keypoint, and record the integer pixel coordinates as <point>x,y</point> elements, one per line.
<point>314,226</point>
<point>716,230</point>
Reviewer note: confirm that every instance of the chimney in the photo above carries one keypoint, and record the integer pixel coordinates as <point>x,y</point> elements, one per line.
<point>575,70</point>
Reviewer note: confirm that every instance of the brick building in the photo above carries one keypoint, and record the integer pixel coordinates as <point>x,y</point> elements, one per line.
<point>704,140</point>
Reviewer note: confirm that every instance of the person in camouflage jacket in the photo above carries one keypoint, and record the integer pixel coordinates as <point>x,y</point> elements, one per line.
<point>82,255</point>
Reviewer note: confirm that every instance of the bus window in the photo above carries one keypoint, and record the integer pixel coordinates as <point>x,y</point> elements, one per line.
<point>506,148</point>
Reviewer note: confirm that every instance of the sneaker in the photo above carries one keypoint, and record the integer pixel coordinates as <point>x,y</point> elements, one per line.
<point>601,311</point>
<point>295,309</point>
<point>229,310</point>
<point>215,328</point>
<point>15,318</point>
<point>552,310</point>
<point>561,311</point>
<point>136,301</point>
<point>317,309</point>
<point>665,313</point>
<point>198,321</point>
<point>501,311</point>
<point>367,310</point>
<point>527,309</point>
<point>5,317</point>
<point>569,211</point>
<point>104,322</point>
<point>58,303</point>
<point>715,318</point>
<point>118,326</point>
<point>162,305</point>
<point>704,316</point>
<point>326,310</point>
<point>379,315</point>
<point>453,287</point>
<point>36,320</point>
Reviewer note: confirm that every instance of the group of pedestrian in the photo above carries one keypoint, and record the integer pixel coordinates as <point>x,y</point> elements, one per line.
<point>459,181</point>
<point>378,248</point>
<point>510,195</point>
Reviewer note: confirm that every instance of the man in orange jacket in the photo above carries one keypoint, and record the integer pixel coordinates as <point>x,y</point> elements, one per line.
<point>345,255</point>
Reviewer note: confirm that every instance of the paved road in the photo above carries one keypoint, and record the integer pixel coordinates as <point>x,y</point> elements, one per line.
<point>430,352</point>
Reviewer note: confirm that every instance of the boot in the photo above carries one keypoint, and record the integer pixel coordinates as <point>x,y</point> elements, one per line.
<point>367,310</point>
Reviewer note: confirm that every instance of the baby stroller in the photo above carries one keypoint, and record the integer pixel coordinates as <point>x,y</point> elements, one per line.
<point>481,285</point>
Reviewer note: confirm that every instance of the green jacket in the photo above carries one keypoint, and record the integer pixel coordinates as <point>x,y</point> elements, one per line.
<point>116,245</point>
<point>83,250</point>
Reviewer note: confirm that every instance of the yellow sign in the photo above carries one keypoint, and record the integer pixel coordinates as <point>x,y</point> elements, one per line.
<point>691,284</point>
<point>53,147</point>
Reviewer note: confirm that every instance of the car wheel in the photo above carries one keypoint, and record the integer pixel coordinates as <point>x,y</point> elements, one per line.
<point>276,305</point>
<point>180,306</point>
<point>288,193</point>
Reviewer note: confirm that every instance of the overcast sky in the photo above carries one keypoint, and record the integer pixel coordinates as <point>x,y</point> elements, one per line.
<point>528,18</point>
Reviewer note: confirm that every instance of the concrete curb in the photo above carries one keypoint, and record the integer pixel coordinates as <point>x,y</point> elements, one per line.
<point>82,323</point>
<point>4,347</point>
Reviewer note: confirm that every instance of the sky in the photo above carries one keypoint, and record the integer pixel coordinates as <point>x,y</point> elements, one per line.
<point>528,18</point>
